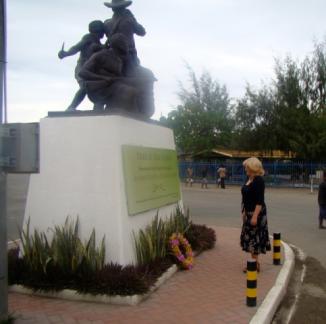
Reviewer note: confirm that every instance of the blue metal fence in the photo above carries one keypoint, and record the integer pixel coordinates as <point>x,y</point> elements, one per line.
<point>278,173</point>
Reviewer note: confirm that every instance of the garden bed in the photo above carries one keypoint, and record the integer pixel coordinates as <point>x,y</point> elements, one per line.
<point>73,295</point>
<point>67,268</point>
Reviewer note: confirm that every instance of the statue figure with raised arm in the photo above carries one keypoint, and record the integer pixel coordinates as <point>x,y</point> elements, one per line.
<point>107,85</point>
<point>88,45</point>
<point>110,74</point>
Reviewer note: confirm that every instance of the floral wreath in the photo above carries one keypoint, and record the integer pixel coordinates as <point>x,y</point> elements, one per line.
<point>187,260</point>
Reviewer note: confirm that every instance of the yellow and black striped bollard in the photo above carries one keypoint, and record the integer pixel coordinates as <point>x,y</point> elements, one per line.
<point>252,283</point>
<point>277,249</point>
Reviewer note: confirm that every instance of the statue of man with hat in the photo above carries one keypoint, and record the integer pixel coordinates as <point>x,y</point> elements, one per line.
<point>123,22</point>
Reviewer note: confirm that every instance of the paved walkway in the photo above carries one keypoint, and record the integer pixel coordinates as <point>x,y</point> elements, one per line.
<point>213,292</point>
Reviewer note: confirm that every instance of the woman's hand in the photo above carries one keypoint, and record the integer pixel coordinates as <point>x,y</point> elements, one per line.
<point>254,221</point>
<point>254,218</point>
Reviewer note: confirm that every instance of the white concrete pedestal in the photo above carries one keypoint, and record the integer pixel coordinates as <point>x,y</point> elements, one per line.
<point>81,174</point>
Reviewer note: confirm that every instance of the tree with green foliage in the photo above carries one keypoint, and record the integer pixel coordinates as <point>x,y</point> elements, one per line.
<point>203,120</point>
<point>254,120</point>
<point>288,114</point>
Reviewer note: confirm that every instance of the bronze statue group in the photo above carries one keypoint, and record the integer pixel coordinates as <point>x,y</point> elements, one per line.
<point>110,74</point>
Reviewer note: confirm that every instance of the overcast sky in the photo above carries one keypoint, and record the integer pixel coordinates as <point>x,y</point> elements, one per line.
<point>235,40</point>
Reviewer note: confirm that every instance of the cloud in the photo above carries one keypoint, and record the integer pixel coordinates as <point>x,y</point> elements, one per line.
<point>235,40</point>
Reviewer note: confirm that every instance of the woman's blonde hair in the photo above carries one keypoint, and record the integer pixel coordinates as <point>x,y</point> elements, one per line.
<point>254,165</point>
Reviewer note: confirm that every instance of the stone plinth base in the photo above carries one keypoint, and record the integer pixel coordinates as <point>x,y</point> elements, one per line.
<point>81,174</point>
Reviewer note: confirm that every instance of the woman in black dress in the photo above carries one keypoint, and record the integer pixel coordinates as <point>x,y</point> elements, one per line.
<point>254,236</point>
<point>322,202</point>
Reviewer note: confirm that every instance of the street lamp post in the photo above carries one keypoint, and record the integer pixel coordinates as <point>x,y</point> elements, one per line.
<point>3,176</point>
<point>3,249</point>
<point>3,60</point>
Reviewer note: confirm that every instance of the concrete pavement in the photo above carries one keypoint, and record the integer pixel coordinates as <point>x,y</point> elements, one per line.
<point>213,292</point>
<point>206,296</point>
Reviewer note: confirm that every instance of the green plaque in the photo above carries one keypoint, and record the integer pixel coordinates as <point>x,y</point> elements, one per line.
<point>151,178</point>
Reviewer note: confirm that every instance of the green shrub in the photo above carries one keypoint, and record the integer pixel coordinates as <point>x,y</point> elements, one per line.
<point>16,266</point>
<point>36,249</point>
<point>201,237</point>
<point>65,256</point>
<point>9,320</point>
<point>71,255</point>
<point>178,222</point>
<point>115,279</point>
<point>66,263</point>
<point>111,279</point>
<point>152,242</point>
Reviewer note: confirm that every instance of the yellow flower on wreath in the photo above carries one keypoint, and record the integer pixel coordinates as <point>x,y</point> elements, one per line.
<point>175,242</point>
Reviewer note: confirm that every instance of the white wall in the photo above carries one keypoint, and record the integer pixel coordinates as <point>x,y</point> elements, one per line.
<point>81,174</point>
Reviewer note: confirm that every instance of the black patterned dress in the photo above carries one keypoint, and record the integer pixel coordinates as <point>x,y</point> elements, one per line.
<point>254,239</point>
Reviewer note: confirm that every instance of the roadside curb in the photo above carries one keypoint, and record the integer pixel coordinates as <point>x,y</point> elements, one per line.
<point>267,310</point>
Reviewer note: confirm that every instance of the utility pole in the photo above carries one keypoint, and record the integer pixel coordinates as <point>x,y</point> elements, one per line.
<point>3,60</point>
<point>3,176</point>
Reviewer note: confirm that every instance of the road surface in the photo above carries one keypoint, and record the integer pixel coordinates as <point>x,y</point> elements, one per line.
<point>293,212</point>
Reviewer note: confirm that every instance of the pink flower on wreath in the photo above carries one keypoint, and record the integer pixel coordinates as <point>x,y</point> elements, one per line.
<point>186,260</point>
<point>175,242</point>
<point>181,258</point>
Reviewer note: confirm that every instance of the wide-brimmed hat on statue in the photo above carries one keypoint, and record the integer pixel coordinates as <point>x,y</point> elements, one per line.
<point>118,3</point>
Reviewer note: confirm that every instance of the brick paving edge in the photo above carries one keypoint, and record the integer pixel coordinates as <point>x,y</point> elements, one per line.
<point>72,295</point>
<point>267,310</point>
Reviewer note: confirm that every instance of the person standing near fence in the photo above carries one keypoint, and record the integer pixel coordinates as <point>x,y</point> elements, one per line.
<point>221,171</point>
<point>204,180</point>
<point>322,202</point>
<point>190,179</point>
<point>254,235</point>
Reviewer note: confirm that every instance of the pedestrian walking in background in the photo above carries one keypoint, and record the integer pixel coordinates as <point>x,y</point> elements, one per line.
<point>218,181</point>
<point>190,179</point>
<point>322,202</point>
<point>254,236</point>
<point>222,174</point>
<point>204,180</point>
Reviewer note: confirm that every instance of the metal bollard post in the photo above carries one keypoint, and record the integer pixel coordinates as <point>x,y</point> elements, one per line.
<point>252,283</point>
<point>277,249</point>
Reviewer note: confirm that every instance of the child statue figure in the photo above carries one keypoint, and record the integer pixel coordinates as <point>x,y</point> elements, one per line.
<point>111,75</point>
<point>89,44</point>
